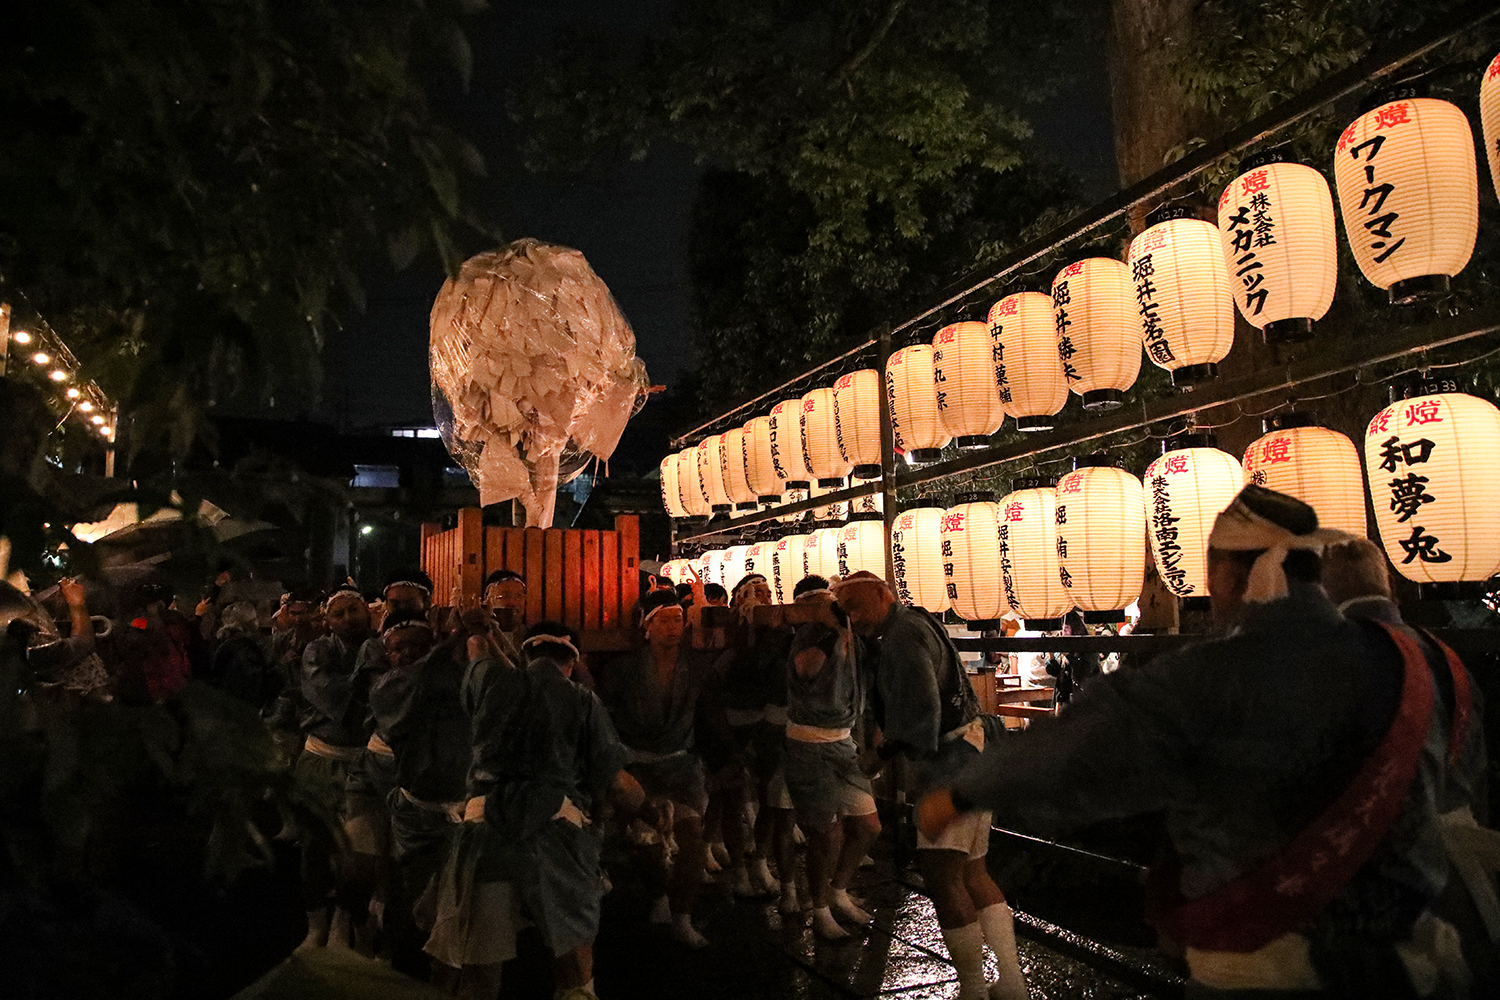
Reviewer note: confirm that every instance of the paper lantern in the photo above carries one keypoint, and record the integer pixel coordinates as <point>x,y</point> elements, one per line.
<point>1101,537</point>
<point>870,503</point>
<point>758,558</point>
<point>787,566</point>
<point>917,556</point>
<point>760,469</point>
<point>733,566</point>
<point>713,565</point>
<point>671,496</point>
<point>911,394</point>
<point>690,487</point>
<point>670,570</point>
<point>1186,488</point>
<point>1276,227</point>
<point>822,552</point>
<point>1027,364</point>
<point>1318,466</point>
<point>836,511</point>
<point>1182,295</point>
<point>861,545</point>
<point>820,438</point>
<point>736,470</point>
<point>965,362</point>
<point>1098,331</point>
<point>787,455</point>
<point>1409,195</point>
<point>1434,480</point>
<point>856,420</point>
<point>970,540</point>
<point>1029,572</point>
<point>1489,118</point>
<point>795,493</point>
<point>711,472</point>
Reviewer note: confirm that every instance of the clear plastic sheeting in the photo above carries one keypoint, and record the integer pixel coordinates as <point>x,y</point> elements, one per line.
<point>533,372</point>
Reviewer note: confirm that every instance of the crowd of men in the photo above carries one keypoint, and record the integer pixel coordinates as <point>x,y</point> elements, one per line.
<point>1320,766</point>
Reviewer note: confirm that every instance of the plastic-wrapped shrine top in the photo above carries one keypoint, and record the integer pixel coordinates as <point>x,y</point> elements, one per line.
<point>533,372</point>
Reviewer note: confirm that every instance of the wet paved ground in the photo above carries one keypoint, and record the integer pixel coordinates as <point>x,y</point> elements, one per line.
<point>753,954</point>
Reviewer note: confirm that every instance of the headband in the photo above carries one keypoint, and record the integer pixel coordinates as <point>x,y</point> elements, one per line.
<point>560,640</point>
<point>406,623</point>
<point>745,582</point>
<point>652,613</point>
<point>407,583</point>
<point>344,591</point>
<point>860,578</point>
<point>1240,529</point>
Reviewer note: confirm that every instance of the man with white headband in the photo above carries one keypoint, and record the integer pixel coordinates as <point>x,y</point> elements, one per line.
<point>1276,751</point>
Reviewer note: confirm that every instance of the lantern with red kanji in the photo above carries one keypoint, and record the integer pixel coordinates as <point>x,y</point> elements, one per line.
<point>861,544</point>
<point>735,454</point>
<point>969,396</point>
<point>820,439</point>
<point>821,553</point>
<point>758,558</point>
<point>856,421</point>
<point>1098,335</point>
<point>713,565</point>
<point>1101,537</point>
<point>733,566</point>
<point>711,472</point>
<point>787,456</point>
<point>1027,364</point>
<point>1316,465</point>
<point>917,556</point>
<point>1434,480</point>
<point>1276,225</point>
<point>1489,118</point>
<point>1029,573</point>
<point>1186,488</point>
<point>671,496</point>
<point>760,470</point>
<point>911,394</point>
<point>690,486</point>
<point>788,566</point>
<point>971,560</point>
<point>1409,195</point>
<point>1182,293</point>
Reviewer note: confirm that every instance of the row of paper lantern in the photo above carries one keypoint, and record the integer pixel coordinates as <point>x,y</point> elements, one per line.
<point>1408,192</point>
<point>1042,550</point>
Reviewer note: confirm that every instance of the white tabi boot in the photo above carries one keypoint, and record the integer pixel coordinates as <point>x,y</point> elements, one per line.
<point>966,951</point>
<point>999,927</point>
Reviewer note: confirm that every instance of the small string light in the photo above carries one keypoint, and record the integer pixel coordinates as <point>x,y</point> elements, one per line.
<point>97,419</point>
<point>58,375</point>
<point>73,393</point>
<point>42,358</point>
<point>21,337</point>
<point>85,406</point>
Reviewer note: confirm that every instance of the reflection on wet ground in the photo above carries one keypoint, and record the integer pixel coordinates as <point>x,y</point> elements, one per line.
<point>754,953</point>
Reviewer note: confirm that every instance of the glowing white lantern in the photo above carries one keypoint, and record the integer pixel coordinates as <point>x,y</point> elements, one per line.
<point>822,552</point>
<point>870,503</point>
<point>1029,573</point>
<point>1182,295</point>
<point>1409,195</point>
<point>856,420</point>
<point>970,540</point>
<point>671,496</point>
<point>737,470</point>
<point>836,511</point>
<point>1101,537</point>
<point>912,396</point>
<point>690,486</point>
<point>1318,466</point>
<point>1186,488</point>
<point>713,565</point>
<point>965,358</point>
<point>711,472</point>
<point>1434,480</point>
<point>1489,118</point>
<point>861,545</point>
<point>733,566</point>
<point>820,438</point>
<point>760,470</point>
<point>787,566</point>
<point>787,456</point>
<point>1027,364</point>
<point>670,570</point>
<point>917,557</point>
<point>1098,331</point>
<point>758,558</point>
<point>1276,227</point>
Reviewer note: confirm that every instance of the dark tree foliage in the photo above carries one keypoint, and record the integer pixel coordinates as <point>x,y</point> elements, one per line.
<point>188,189</point>
<point>858,155</point>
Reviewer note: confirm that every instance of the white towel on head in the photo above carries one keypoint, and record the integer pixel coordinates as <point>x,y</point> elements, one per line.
<point>1240,529</point>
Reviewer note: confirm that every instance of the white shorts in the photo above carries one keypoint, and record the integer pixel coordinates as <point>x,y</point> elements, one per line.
<point>969,833</point>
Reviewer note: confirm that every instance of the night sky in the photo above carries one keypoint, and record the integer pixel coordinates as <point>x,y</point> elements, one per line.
<point>629,219</point>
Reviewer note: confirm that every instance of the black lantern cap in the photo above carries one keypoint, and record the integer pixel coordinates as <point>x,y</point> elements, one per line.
<point>1418,384</point>
<point>866,515</point>
<point>870,471</point>
<point>972,442</point>
<point>1102,400</point>
<point>1266,157</point>
<point>1032,482</point>
<point>1402,92</point>
<point>1288,419</point>
<point>1035,423</point>
<point>834,483</point>
<point>924,456</point>
<point>1105,617</point>
<point>927,501</point>
<point>1423,288</point>
<point>1189,439</point>
<point>1190,375</point>
<point>798,484</point>
<point>1170,213</point>
<point>1288,331</point>
<point>1043,624</point>
<point>977,496</point>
